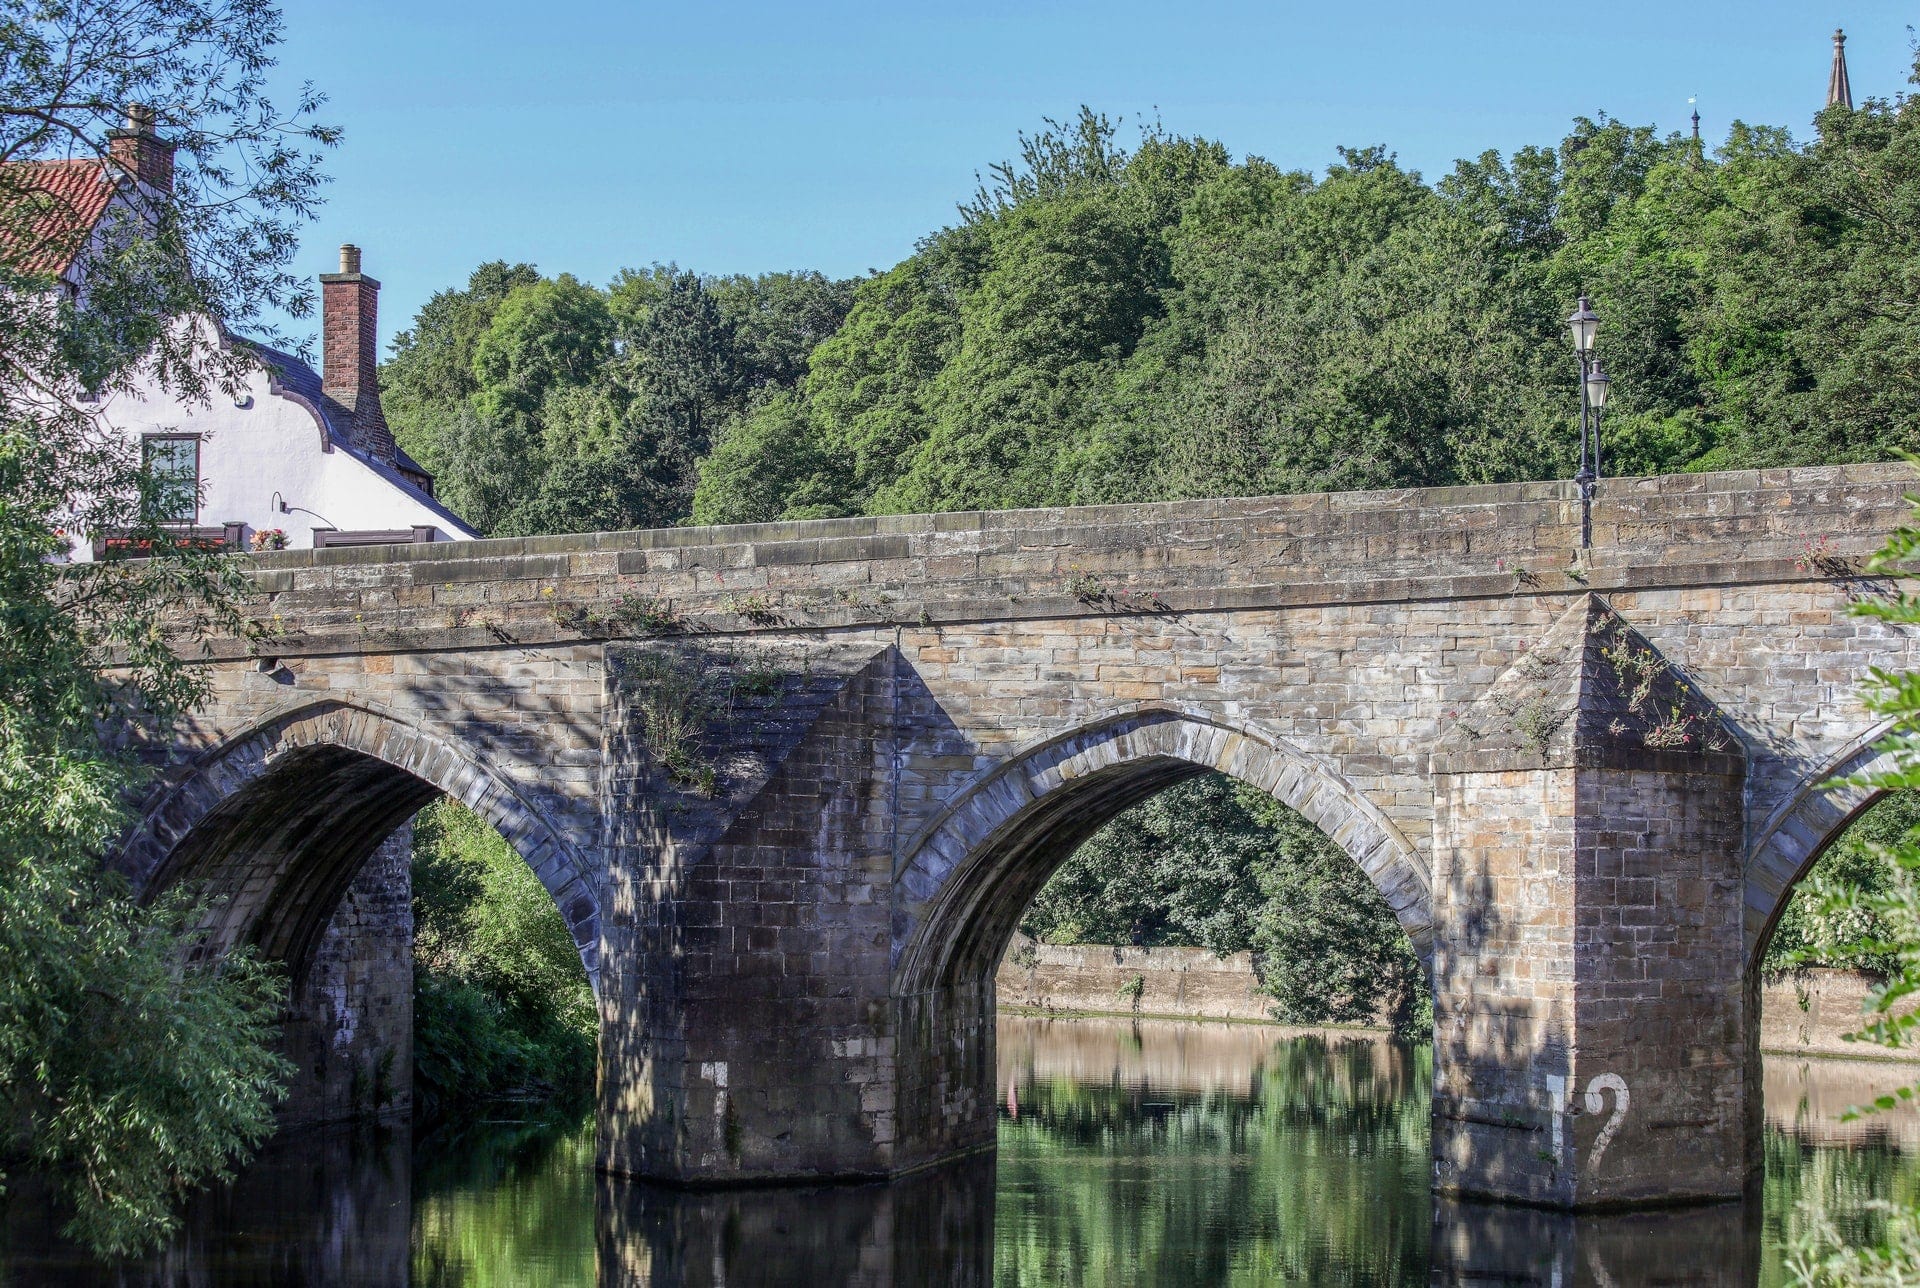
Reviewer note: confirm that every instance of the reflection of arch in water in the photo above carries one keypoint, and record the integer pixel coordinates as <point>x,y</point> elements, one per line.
<point>273,825</point>
<point>1813,817</point>
<point>971,874</point>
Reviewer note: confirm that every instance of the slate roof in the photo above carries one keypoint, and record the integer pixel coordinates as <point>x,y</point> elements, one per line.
<point>73,196</point>
<point>294,379</point>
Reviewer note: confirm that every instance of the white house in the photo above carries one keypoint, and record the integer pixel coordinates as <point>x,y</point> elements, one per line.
<point>294,455</point>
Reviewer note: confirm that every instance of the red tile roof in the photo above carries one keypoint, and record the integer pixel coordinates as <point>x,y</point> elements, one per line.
<point>68,199</point>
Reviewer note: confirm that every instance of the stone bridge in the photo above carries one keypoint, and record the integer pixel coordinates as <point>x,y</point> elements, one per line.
<point>792,786</point>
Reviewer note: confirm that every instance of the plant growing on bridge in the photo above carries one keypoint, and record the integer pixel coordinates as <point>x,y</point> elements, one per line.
<point>648,614</point>
<point>677,702</point>
<point>631,613</point>
<point>1536,722</point>
<point>755,607</point>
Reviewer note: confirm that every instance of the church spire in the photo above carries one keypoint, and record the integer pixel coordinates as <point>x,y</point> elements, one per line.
<point>1839,89</point>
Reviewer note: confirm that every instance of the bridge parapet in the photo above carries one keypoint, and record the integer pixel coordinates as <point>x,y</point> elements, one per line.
<point>1400,546</point>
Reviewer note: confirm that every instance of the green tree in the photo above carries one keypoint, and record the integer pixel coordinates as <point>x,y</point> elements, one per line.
<point>778,320</point>
<point>130,1068</point>
<point>681,360</point>
<point>501,1001</point>
<point>767,466</point>
<point>551,406</point>
<point>1151,877</point>
<point>543,336</point>
<point>424,387</point>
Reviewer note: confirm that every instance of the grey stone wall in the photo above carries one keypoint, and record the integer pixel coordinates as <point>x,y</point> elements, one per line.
<point>349,1032</point>
<point>1811,1012</point>
<point>1184,982</point>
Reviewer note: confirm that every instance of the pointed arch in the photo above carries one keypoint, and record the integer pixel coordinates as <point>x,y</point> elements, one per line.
<point>1798,832</point>
<point>968,876</point>
<point>274,822</point>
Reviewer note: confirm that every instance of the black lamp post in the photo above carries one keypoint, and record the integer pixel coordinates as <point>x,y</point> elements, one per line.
<point>1594,382</point>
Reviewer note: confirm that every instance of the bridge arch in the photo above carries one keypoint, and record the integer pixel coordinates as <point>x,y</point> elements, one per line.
<point>1798,832</point>
<point>273,824</point>
<point>968,877</point>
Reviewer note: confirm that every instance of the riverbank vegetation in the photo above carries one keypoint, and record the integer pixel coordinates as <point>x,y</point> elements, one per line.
<point>131,1067</point>
<point>1216,864</point>
<point>501,1003</point>
<point>1833,921</point>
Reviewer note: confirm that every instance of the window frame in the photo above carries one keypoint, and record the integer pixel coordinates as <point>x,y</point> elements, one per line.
<point>147,445</point>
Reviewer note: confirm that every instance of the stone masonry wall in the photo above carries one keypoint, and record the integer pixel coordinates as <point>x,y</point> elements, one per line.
<point>350,1031</point>
<point>756,941</point>
<point>1805,1014</point>
<point>1185,982</point>
<point>1025,676</point>
<point>1810,1012</point>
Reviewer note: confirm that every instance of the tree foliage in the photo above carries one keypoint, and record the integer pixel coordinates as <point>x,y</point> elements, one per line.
<point>1106,324</point>
<point>1215,864</point>
<point>501,1002</point>
<point>548,405</point>
<point>130,1068</point>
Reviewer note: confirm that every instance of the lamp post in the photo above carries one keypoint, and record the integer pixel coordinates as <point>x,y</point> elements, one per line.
<point>1594,383</point>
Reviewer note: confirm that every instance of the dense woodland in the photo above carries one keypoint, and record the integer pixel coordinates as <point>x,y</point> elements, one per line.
<point>1146,318</point>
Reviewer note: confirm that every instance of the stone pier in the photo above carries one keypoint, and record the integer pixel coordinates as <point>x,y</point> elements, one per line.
<point>791,787</point>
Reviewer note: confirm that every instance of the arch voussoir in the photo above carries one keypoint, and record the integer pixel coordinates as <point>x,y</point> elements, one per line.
<point>947,873</point>
<point>196,793</point>
<point>1799,831</point>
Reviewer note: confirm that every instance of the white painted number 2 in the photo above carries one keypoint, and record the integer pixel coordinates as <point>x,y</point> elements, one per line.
<point>1596,1101</point>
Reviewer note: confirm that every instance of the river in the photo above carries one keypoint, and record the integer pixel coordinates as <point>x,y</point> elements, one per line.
<point>1149,1153</point>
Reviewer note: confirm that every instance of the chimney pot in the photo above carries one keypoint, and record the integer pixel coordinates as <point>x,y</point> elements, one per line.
<point>349,258</point>
<point>140,152</point>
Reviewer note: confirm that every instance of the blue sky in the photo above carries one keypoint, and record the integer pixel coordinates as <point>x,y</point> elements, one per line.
<point>588,135</point>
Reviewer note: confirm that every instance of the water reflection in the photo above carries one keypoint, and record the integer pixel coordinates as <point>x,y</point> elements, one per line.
<point>1168,1153</point>
<point>934,1228</point>
<point>1476,1243</point>
<point>314,1208</point>
<point>1130,1153</point>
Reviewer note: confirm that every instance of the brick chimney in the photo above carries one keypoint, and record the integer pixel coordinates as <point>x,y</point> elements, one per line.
<point>140,152</point>
<point>349,338</point>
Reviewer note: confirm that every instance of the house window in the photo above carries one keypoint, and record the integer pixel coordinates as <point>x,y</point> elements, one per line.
<point>173,461</point>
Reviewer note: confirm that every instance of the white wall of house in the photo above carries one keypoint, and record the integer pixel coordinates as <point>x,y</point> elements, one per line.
<point>288,450</point>
<point>261,448</point>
